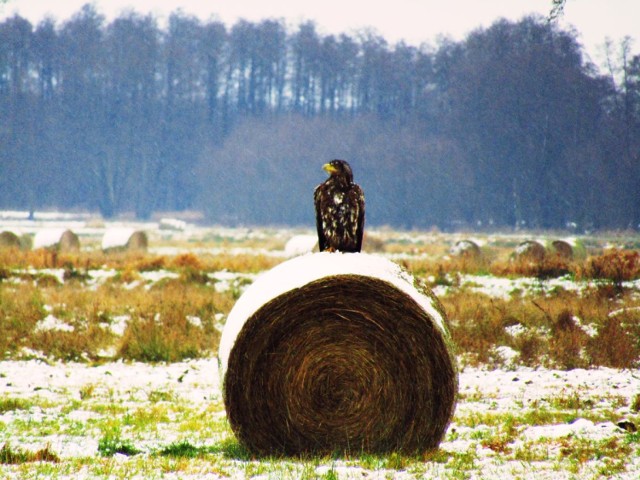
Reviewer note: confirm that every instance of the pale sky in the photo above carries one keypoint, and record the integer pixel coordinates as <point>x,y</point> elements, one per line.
<point>413,21</point>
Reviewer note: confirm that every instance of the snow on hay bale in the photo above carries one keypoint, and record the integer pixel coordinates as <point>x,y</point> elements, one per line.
<point>56,239</point>
<point>466,249</point>
<point>335,352</point>
<point>301,244</point>
<point>530,250</point>
<point>120,239</point>
<point>9,239</point>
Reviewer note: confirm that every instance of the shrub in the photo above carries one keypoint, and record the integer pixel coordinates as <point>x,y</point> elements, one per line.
<point>617,266</point>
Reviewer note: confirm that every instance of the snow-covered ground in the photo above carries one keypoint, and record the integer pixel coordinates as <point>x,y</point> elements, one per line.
<point>69,405</point>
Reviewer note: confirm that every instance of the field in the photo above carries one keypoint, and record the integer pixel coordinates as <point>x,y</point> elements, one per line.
<point>110,367</point>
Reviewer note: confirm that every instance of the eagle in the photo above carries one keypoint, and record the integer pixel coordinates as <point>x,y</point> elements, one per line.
<point>339,210</point>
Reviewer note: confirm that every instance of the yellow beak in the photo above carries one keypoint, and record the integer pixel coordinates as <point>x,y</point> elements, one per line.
<point>327,167</point>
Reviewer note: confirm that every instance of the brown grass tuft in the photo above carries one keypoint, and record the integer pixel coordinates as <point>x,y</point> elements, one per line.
<point>616,266</point>
<point>16,456</point>
<point>188,261</point>
<point>617,344</point>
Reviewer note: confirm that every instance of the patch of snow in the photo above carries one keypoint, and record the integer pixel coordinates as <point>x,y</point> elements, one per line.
<point>225,280</point>
<point>516,330</point>
<point>590,329</point>
<point>109,352</point>
<point>620,311</point>
<point>195,321</point>
<point>507,354</point>
<point>58,273</point>
<point>506,288</point>
<point>219,325</point>
<point>51,323</point>
<point>132,285</point>
<point>119,324</point>
<point>98,277</point>
<point>580,427</point>
<point>154,276</point>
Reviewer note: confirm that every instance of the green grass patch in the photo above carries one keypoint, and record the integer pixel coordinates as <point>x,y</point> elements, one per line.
<point>109,446</point>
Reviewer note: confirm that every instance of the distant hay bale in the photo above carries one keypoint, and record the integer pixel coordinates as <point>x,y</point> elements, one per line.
<point>562,249</point>
<point>121,239</point>
<point>57,239</point>
<point>466,249</point>
<point>300,245</point>
<point>335,352</point>
<point>9,239</point>
<point>530,250</point>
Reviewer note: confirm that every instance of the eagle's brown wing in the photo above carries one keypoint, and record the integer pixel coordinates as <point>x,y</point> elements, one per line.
<point>356,200</point>
<point>317,200</point>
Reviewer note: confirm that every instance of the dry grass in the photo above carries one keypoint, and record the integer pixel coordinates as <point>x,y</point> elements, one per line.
<point>562,331</point>
<point>616,266</point>
<point>15,456</point>
<point>42,258</point>
<point>553,327</point>
<point>158,320</point>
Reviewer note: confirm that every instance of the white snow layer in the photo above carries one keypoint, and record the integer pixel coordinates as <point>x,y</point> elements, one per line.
<point>299,271</point>
<point>116,237</point>
<point>47,237</point>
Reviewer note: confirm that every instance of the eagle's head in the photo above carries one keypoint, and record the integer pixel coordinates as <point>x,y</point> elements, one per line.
<point>340,170</point>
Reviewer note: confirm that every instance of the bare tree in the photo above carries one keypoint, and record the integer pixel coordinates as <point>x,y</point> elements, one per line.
<point>557,9</point>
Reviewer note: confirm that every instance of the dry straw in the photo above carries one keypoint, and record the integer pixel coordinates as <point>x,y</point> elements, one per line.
<point>562,249</point>
<point>531,251</point>
<point>338,361</point>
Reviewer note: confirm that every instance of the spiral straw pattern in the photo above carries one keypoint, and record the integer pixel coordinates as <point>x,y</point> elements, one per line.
<point>345,363</point>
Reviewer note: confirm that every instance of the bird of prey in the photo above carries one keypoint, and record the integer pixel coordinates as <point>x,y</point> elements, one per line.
<point>339,210</point>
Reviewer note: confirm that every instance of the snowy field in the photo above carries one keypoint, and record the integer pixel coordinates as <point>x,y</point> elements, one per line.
<point>69,408</point>
<point>136,420</point>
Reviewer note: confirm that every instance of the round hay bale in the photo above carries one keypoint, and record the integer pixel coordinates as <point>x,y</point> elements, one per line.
<point>530,251</point>
<point>466,249</point>
<point>333,352</point>
<point>121,239</point>
<point>9,239</point>
<point>562,249</point>
<point>56,239</point>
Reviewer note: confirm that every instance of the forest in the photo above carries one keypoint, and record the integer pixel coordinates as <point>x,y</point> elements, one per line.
<point>512,127</point>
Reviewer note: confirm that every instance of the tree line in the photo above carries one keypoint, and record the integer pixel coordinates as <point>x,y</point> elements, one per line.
<point>510,127</point>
